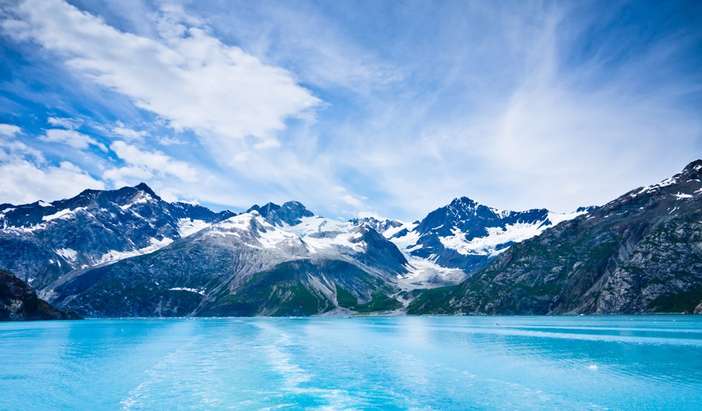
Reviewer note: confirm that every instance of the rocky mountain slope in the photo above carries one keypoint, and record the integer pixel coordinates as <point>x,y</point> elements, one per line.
<point>19,302</point>
<point>246,265</point>
<point>41,241</point>
<point>639,253</point>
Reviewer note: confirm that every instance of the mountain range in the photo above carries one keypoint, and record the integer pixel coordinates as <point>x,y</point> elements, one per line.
<point>128,252</point>
<point>641,252</point>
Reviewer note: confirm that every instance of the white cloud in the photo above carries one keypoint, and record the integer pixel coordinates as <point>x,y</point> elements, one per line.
<point>143,164</point>
<point>24,181</point>
<point>28,177</point>
<point>299,36</point>
<point>65,122</point>
<point>518,107</point>
<point>537,130</point>
<point>170,141</point>
<point>9,130</point>
<point>236,105</point>
<point>186,76</point>
<point>127,175</point>
<point>130,134</point>
<point>71,138</point>
<point>12,149</point>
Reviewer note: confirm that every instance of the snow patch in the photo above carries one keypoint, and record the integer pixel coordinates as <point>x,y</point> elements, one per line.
<point>140,198</point>
<point>7,210</point>
<point>682,196</point>
<point>557,218</point>
<point>497,236</point>
<point>649,189</point>
<point>424,273</point>
<point>408,241</point>
<point>237,222</point>
<point>272,238</point>
<point>188,289</point>
<point>65,214</point>
<point>188,226</point>
<point>67,253</point>
<point>324,234</point>
<point>114,255</point>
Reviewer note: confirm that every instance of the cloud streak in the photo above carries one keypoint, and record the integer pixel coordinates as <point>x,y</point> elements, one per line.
<point>27,176</point>
<point>185,76</point>
<point>71,138</point>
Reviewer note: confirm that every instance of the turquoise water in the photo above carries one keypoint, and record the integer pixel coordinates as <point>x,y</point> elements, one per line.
<point>559,363</point>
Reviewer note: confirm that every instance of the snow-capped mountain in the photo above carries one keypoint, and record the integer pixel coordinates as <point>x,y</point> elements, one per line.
<point>465,234</point>
<point>246,264</point>
<point>41,241</point>
<point>381,225</point>
<point>638,253</point>
<point>127,252</point>
<point>290,213</point>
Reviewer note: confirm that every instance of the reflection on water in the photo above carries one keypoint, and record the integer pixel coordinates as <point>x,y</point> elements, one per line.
<point>636,363</point>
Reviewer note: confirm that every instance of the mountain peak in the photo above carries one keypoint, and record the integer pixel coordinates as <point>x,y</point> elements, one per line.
<point>265,209</point>
<point>463,202</point>
<point>145,188</point>
<point>694,168</point>
<point>291,212</point>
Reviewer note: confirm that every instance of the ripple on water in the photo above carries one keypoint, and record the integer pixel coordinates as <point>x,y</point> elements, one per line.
<point>354,363</point>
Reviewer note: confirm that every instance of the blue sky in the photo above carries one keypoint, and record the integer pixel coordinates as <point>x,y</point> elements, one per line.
<point>352,107</point>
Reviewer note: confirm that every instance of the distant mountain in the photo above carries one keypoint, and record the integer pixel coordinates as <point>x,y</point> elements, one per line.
<point>380,225</point>
<point>466,235</point>
<point>246,265</point>
<point>41,241</point>
<point>19,302</point>
<point>290,213</point>
<point>639,253</point>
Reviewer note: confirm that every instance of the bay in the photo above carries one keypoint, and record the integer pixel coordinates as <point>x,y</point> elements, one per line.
<point>443,363</point>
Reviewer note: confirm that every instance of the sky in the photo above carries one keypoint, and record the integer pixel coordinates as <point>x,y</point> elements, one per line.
<point>385,108</point>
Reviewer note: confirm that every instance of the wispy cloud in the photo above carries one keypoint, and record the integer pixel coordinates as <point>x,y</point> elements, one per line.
<point>125,132</point>
<point>148,163</point>
<point>71,123</point>
<point>9,130</point>
<point>71,138</point>
<point>186,76</point>
<point>547,127</point>
<point>27,176</point>
<point>391,108</point>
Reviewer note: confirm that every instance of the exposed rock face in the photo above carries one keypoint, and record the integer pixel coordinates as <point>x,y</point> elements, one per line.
<point>639,253</point>
<point>290,213</point>
<point>19,302</point>
<point>41,241</point>
<point>305,287</point>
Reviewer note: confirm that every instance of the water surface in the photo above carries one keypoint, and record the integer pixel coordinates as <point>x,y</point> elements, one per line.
<point>558,363</point>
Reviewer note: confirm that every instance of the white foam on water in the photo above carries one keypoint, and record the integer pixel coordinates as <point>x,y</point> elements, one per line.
<point>295,377</point>
<point>137,396</point>
<point>573,336</point>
